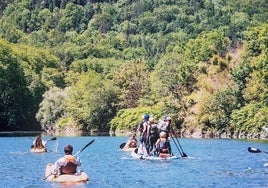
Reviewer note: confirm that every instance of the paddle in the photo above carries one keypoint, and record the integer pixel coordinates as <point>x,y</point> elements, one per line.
<point>179,148</point>
<point>73,155</point>
<point>183,154</point>
<point>256,150</point>
<point>122,145</point>
<point>176,146</point>
<point>141,157</point>
<point>84,147</point>
<point>53,138</point>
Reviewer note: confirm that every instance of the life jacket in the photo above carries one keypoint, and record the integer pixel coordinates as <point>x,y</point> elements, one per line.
<point>164,155</point>
<point>164,146</point>
<point>154,129</point>
<point>164,126</point>
<point>70,166</point>
<point>146,127</point>
<point>133,143</point>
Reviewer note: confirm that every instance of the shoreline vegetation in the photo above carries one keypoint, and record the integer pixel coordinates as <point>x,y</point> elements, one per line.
<point>70,67</point>
<point>196,135</point>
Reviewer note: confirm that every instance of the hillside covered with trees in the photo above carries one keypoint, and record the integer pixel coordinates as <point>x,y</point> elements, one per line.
<point>73,66</point>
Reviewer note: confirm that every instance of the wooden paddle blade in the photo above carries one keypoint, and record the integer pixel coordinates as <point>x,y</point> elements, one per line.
<point>254,150</point>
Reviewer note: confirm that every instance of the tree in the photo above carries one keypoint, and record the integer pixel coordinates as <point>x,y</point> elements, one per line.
<point>52,108</point>
<point>101,22</point>
<point>14,95</point>
<point>92,101</point>
<point>130,78</point>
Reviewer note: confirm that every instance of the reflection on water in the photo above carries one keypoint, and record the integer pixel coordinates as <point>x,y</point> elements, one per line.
<point>211,163</point>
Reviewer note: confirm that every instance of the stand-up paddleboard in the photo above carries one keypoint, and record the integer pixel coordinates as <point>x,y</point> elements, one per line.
<point>135,154</point>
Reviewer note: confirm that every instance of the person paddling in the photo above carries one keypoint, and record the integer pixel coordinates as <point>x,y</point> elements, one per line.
<point>67,164</point>
<point>132,142</point>
<point>163,145</point>
<point>39,143</point>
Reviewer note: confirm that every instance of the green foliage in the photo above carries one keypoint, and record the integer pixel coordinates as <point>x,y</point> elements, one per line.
<point>101,22</point>
<point>105,67</point>
<point>129,119</point>
<point>52,108</point>
<point>67,121</point>
<point>207,44</point>
<point>166,78</point>
<point>219,109</point>
<point>15,99</point>
<point>171,78</point>
<point>92,101</point>
<point>131,79</point>
<point>117,57</point>
<point>252,83</point>
<point>37,64</point>
<point>51,77</point>
<point>72,18</point>
<point>250,119</point>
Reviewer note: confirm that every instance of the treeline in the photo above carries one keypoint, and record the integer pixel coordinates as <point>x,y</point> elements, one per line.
<point>89,65</point>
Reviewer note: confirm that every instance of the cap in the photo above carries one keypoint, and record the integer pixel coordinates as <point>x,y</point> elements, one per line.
<point>163,134</point>
<point>151,119</point>
<point>146,116</point>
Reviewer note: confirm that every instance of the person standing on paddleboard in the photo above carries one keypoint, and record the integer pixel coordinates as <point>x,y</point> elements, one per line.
<point>144,138</point>
<point>153,134</point>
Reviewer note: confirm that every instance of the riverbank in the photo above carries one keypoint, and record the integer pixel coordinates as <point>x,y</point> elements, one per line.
<point>19,133</point>
<point>263,135</point>
<point>34,133</point>
<point>197,134</point>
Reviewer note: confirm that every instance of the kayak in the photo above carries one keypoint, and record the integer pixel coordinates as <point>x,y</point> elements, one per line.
<point>161,157</point>
<point>127,149</point>
<point>38,150</point>
<point>123,147</point>
<point>80,177</point>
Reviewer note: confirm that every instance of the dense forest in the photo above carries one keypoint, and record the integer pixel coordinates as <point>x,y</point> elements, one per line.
<point>73,66</point>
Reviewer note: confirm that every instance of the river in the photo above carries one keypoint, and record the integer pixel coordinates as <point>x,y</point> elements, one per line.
<point>210,163</point>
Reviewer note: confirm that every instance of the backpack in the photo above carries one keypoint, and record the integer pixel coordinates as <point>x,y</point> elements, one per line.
<point>154,129</point>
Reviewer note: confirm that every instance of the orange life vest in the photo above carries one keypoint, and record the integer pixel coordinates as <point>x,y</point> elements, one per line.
<point>133,143</point>
<point>70,166</point>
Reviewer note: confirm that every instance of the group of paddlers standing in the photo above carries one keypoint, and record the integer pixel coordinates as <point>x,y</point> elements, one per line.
<point>154,137</point>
